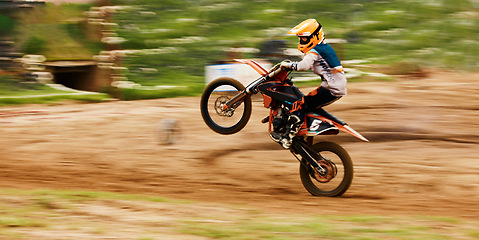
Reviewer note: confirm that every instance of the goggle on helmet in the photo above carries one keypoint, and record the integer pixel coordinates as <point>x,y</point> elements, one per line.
<point>312,30</point>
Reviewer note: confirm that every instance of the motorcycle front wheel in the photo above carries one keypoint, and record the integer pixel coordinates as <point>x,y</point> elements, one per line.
<point>222,121</point>
<point>338,175</point>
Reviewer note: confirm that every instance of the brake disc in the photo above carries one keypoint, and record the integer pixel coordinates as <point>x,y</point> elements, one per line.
<point>328,173</point>
<point>220,101</point>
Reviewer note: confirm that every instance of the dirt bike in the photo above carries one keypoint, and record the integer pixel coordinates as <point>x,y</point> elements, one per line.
<point>326,168</point>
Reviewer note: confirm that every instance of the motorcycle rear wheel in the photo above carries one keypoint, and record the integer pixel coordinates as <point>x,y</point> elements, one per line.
<point>327,186</point>
<point>222,121</point>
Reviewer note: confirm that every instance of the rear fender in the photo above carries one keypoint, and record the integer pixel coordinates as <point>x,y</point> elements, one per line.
<point>341,127</point>
<point>254,65</point>
<point>350,130</point>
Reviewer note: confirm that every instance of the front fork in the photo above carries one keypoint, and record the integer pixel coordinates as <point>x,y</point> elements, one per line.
<point>309,141</point>
<point>249,90</point>
<point>303,148</point>
<point>234,102</point>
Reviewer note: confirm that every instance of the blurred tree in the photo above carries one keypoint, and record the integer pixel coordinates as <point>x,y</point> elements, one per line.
<point>6,24</point>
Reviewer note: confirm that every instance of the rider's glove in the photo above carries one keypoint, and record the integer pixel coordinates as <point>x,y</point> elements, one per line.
<point>288,65</point>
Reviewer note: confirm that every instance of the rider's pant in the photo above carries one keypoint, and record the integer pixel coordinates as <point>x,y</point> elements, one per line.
<point>319,97</point>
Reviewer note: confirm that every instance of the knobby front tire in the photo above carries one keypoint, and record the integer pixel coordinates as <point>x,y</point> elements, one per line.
<point>224,122</point>
<point>344,176</point>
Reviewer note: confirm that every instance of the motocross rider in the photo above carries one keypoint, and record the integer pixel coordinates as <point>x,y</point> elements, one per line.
<point>322,59</point>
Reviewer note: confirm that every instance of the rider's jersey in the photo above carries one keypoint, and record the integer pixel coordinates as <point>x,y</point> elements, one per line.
<point>322,59</point>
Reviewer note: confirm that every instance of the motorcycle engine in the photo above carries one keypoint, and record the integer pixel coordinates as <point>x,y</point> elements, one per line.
<point>279,124</point>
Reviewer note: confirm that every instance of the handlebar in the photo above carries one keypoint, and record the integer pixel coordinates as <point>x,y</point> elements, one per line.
<point>274,70</point>
<point>252,87</point>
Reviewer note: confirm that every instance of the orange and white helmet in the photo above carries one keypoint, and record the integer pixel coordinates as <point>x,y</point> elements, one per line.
<point>312,30</point>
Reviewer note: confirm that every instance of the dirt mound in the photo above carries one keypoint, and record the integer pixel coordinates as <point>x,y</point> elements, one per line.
<point>422,158</point>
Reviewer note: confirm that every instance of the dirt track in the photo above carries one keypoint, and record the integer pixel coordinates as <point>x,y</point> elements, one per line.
<point>422,159</point>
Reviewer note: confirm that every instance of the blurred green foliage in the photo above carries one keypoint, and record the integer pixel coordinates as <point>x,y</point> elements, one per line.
<point>34,45</point>
<point>6,24</point>
<point>179,38</point>
<point>13,87</point>
<point>195,33</point>
<point>59,32</point>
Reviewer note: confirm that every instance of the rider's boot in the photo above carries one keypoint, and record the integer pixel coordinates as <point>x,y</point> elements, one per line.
<point>292,129</point>
<point>276,137</point>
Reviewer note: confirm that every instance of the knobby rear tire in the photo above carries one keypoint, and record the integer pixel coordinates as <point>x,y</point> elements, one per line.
<point>311,184</point>
<point>224,81</point>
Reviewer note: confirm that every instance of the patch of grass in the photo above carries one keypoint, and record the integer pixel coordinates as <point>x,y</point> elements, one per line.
<point>87,98</point>
<point>34,45</point>
<point>10,222</point>
<point>21,210</point>
<point>324,227</point>
<point>311,83</point>
<point>474,234</point>
<point>135,94</point>
<point>12,88</point>
<point>443,219</point>
<point>56,31</point>
<point>45,195</point>
<point>365,219</point>
<point>46,202</point>
<point>11,85</point>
